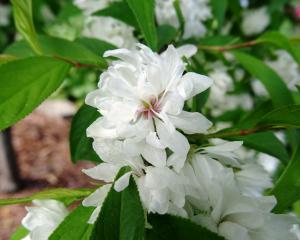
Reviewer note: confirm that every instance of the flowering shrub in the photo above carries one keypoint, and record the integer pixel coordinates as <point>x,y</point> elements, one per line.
<point>193,127</point>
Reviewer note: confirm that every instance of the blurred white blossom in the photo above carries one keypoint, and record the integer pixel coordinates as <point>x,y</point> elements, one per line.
<point>43,218</point>
<point>5,12</point>
<point>255,21</point>
<point>220,100</point>
<point>195,12</point>
<point>286,67</point>
<point>105,28</point>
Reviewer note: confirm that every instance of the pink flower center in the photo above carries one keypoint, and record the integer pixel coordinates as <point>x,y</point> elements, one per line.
<point>151,108</point>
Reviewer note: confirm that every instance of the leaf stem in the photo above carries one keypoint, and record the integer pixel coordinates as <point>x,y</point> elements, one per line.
<point>78,64</point>
<point>229,47</point>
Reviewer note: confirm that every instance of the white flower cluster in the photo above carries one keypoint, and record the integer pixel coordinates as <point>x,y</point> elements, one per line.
<point>143,125</point>
<point>195,12</point>
<point>105,28</point>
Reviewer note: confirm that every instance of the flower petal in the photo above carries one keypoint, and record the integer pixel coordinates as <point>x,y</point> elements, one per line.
<point>103,171</point>
<point>122,182</point>
<point>193,83</point>
<point>191,123</point>
<point>176,141</point>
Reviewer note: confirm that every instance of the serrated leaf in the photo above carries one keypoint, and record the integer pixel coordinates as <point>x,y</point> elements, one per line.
<point>117,10</point>
<point>62,194</point>
<point>25,84</point>
<point>19,234</point>
<point>22,11</point>
<point>80,145</point>
<point>287,188</point>
<point>165,227</point>
<point>279,93</point>
<point>143,11</point>
<point>75,226</point>
<point>122,215</point>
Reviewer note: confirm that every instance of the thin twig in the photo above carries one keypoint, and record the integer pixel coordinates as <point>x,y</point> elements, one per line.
<point>229,47</point>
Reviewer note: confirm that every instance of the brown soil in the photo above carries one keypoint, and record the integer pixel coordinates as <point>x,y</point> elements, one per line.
<point>42,151</point>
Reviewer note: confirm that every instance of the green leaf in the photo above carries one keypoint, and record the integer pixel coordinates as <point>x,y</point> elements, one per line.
<point>217,40</point>
<point>24,22</point>
<point>62,194</point>
<point>165,227</point>
<point>279,93</point>
<point>265,142</point>
<point>143,11</point>
<point>219,8</point>
<point>4,58</point>
<point>72,52</point>
<point>75,226</point>
<point>80,145</point>
<point>284,117</point>
<point>166,34</point>
<point>97,46</point>
<point>180,17</point>
<point>19,234</point>
<point>122,215</point>
<point>287,188</point>
<point>25,84</point>
<point>280,41</point>
<point>117,10</point>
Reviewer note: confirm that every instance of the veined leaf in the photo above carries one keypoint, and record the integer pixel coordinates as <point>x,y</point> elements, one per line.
<point>143,11</point>
<point>279,93</point>
<point>62,194</point>
<point>96,46</point>
<point>122,215</point>
<point>72,52</point>
<point>80,145</point>
<point>75,226</point>
<point>25,83</point>
<point>24,22</point>
<point>287,188</point>
<point>176,228</point>
<point>120,11</point>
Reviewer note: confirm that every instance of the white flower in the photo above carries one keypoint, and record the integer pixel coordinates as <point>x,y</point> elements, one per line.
<point>195,12</point>
<point>43,218</point>
<point>105,28</point>
<point>251,177</point>
<point>217,204</point>
<point>141,99</point>
<point>220,100</point>
<point>255,21</point>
